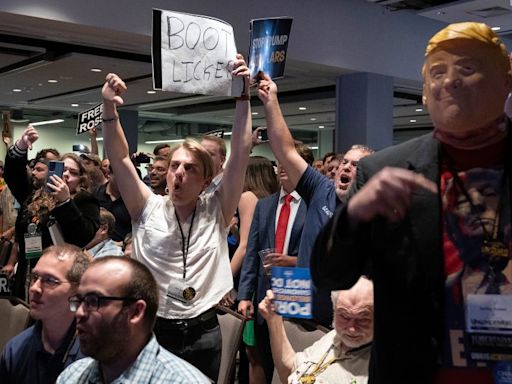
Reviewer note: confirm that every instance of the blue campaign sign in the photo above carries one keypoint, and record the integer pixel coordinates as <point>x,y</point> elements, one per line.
<point>268,46</point>
<point>292,292</point>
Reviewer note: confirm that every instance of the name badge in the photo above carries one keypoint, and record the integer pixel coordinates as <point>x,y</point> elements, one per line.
<point>33,246</point>
<point>489,314</point>
<point>180,291</point>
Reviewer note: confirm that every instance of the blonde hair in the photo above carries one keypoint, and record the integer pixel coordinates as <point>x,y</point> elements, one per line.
<point>199,153</point>
<point>471,31</point>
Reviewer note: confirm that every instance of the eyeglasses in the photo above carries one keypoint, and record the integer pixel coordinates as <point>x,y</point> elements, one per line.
<point>46,281</point>
<point>92,301</point>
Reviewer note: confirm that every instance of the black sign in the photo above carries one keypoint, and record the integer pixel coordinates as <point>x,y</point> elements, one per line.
<point>89,119</point>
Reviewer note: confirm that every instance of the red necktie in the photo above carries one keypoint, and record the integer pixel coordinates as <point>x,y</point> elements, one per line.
<point>282,224</point>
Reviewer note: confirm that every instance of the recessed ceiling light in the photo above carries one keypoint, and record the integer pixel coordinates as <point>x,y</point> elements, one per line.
<point>254,113</point>
<point>412,121</point>
<point>419,109</point>
<point>313,119</point>
<point>95,70</point>
<point>16,90</point>
<point>496,28</point>
<point>164,141</point>
<point>151,92</point>
<point>321,126</point>
<point>53,81</point>
<point>75,105</point>
<point>302,108</point>
<point>56,121</point>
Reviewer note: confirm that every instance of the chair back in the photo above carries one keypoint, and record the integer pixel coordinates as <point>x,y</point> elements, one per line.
<point>14,318</point>
<point>300,338</point>
<point>231,326</point>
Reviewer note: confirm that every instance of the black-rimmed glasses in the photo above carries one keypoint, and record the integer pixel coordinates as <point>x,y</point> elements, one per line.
<point>92,301</point>
<point>46,281</point>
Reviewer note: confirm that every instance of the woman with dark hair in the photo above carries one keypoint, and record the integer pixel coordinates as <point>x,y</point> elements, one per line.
<point>260,181</point>
<point>63,211</point>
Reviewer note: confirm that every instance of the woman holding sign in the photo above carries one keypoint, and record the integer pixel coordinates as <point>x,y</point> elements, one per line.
<point>181,237</point>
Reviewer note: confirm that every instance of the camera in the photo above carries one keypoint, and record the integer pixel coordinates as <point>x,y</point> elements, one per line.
<point>142,158</point>
<point>80,148</point>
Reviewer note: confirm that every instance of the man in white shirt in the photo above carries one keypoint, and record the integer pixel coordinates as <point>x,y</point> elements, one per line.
<point>181,237</point>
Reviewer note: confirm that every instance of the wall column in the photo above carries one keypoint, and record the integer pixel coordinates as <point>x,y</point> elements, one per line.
<point>364,111</point>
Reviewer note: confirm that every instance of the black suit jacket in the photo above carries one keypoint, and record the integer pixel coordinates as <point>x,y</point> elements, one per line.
<point>261,236</point>
<point>407,268</point>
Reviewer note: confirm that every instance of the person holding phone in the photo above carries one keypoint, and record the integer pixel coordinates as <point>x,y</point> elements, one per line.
<point>67,206</point>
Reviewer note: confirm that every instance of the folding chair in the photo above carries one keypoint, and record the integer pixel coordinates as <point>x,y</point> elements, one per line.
<point>300,338</point>
<point>14,318</point>
<point>232,327</point>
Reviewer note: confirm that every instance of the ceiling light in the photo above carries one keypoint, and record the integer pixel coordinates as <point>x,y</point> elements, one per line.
<point>53,81</point>
<point>313,119</point>
<point>228,133</point>
<point>496,28</point>
<point>95,70</point>
<point>313,147</point>
<point>412,121</point>
<point>47,122</point>
<point>99,139</point>
<point>419,109</point>
<point>163,141</point>
<point>321,126</point>
<point>75,105</point>
<point>151,92</point>
<point>302,108</point>
<point>16,90</point>
<point>254,113</point>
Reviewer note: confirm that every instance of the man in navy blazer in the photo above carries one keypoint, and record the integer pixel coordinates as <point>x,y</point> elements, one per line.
<point>253,281</point>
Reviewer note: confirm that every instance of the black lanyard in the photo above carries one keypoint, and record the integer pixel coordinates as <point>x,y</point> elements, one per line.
<point>184,249</point>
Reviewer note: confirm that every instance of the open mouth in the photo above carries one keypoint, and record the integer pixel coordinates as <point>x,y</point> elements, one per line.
<point>344,181</point>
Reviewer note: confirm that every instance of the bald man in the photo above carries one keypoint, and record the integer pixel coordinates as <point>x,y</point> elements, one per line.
<point>342,355</point>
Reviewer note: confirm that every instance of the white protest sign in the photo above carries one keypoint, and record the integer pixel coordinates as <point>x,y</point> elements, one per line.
<point>89,119</point>
<point>193,54</point>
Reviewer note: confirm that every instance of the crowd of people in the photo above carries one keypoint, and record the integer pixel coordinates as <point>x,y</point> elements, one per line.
<point>406,245</point>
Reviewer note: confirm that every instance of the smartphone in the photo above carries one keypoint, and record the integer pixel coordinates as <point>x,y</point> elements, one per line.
<point>264,135</point>
<point>54,168</point>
